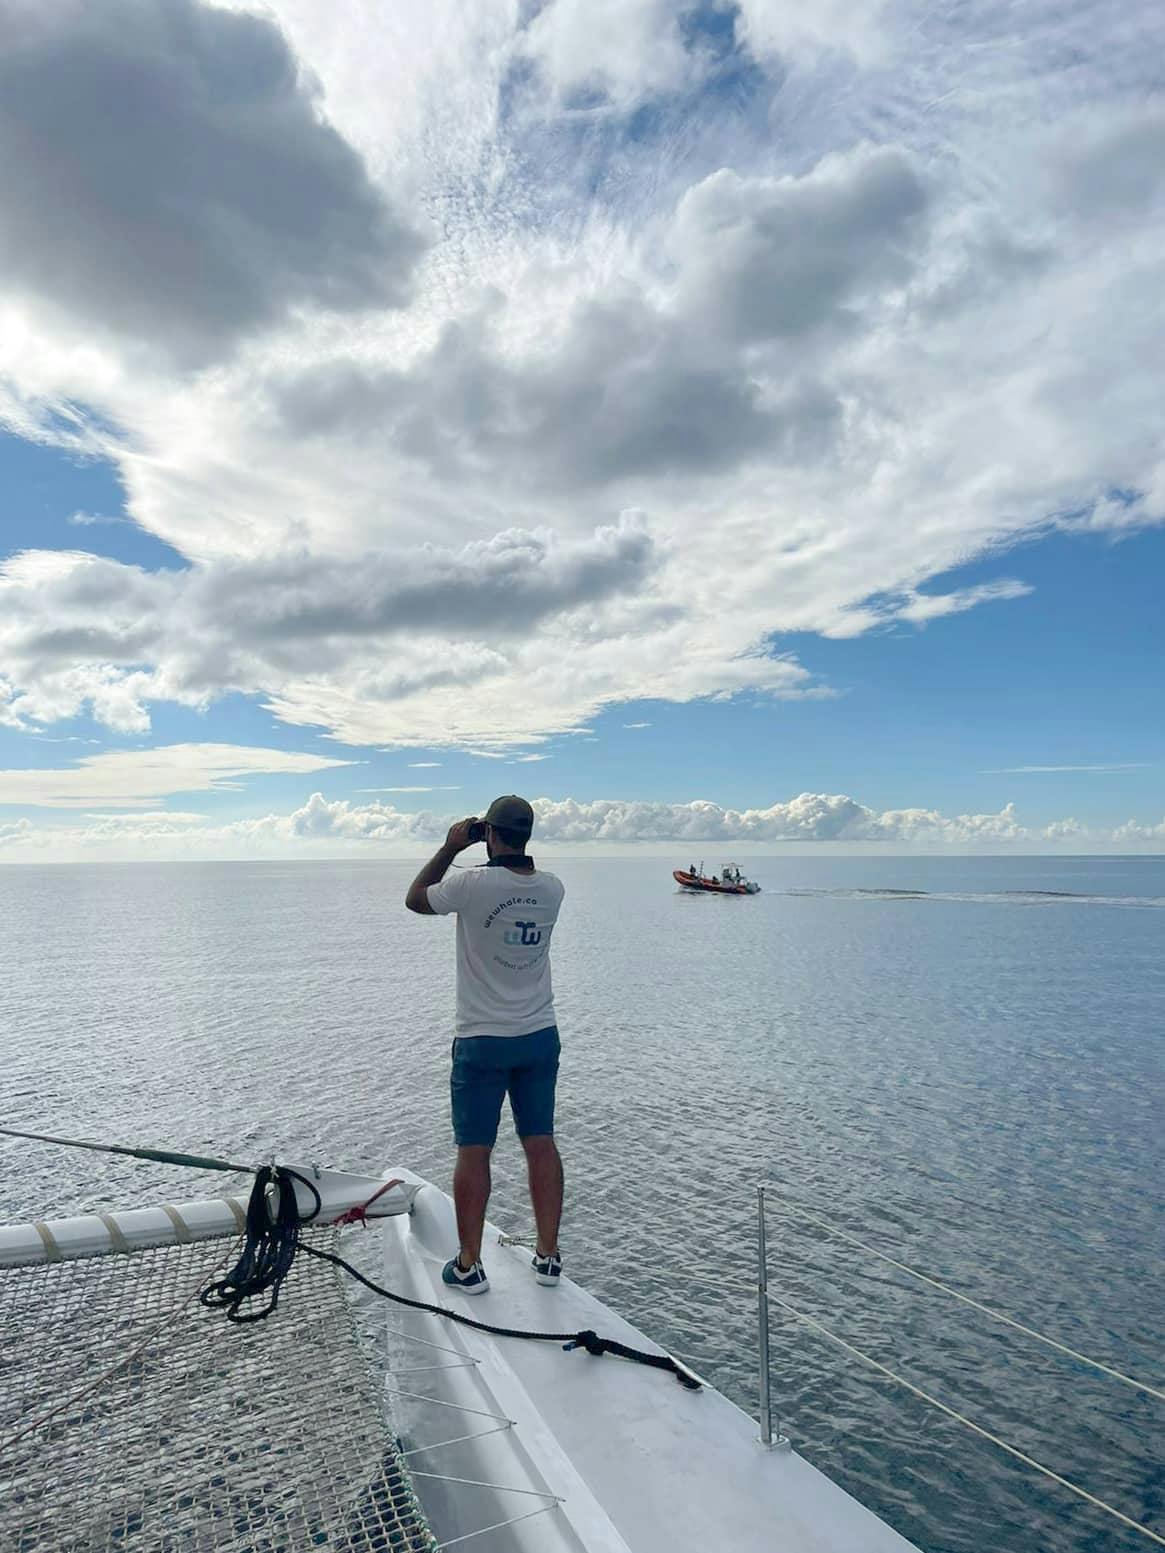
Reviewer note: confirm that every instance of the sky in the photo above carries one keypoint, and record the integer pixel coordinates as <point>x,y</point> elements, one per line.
<point>719,422</point>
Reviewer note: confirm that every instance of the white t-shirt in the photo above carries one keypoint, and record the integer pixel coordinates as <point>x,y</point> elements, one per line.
<point>504,922</point>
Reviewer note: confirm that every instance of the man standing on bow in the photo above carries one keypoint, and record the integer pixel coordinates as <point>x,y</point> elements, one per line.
<point>507,1037</point>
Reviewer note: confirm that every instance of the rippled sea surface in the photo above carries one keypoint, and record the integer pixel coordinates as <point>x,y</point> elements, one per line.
<point>960,1061</point>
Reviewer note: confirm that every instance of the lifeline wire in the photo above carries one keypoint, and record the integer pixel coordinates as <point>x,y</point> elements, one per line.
<point>997,1315</point>
<point>1011,1450</point>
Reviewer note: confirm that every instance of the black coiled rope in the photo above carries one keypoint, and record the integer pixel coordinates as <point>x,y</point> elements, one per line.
<point>273,1240</point>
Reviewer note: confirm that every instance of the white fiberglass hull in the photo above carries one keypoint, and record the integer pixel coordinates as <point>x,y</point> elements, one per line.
<point>637,1464</point>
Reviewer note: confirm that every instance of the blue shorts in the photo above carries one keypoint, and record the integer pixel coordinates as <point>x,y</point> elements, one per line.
<point>486,1068</point>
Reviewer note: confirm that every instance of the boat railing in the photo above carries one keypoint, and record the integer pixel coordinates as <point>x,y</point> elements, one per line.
<point>62,1255</point>
<point>762,1328</point>
<point>764,1295</point>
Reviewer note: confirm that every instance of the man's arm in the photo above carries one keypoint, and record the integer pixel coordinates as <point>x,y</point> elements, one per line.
<point>417,898</point>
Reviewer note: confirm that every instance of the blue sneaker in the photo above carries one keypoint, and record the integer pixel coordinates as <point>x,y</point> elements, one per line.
<point>547,1269</point>
<point>472,1282</point>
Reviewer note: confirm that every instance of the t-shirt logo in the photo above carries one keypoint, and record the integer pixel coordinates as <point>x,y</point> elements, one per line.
<point>523,933</point>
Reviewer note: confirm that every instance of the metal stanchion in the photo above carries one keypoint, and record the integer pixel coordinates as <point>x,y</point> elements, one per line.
<point>762,1317</point>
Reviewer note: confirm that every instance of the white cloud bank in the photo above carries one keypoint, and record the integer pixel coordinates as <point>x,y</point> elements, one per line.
<point>333,828</point>
<point>491,365</point>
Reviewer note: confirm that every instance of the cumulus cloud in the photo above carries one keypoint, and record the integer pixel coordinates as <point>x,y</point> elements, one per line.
<point>432,589</point>
<point>809,817</point>
<point>634,385</point>
<point>166,176</point>
<point>778,258</point>
<point>323,821</point>
<point>627,393</point>
<point>330,827</point>
<point>127,779</point>
<point>607,53</point>
<point>773,29</point>
<point>1134,833</point>
<point>74,627</point>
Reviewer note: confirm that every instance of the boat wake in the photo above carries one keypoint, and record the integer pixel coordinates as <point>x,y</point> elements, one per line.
<point>984,897</point>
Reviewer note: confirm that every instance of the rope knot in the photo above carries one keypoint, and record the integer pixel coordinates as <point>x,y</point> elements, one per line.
<point>591,1341</point>
<point>359,1214</point>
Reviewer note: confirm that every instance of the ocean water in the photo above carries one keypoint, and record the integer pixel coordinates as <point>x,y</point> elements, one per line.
<point>959,1061</point>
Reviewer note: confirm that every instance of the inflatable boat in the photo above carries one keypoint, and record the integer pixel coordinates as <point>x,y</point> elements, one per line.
<point>730,882</point>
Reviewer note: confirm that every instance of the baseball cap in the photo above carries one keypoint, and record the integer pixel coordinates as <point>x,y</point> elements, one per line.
<point>511,813</point>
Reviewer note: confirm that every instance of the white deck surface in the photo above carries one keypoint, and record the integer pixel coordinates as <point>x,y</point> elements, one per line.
<point>639,1463</point>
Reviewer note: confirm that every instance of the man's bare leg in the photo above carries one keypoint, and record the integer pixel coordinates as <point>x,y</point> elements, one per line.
<point>471,1184</point>
<point>545,1170</point>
